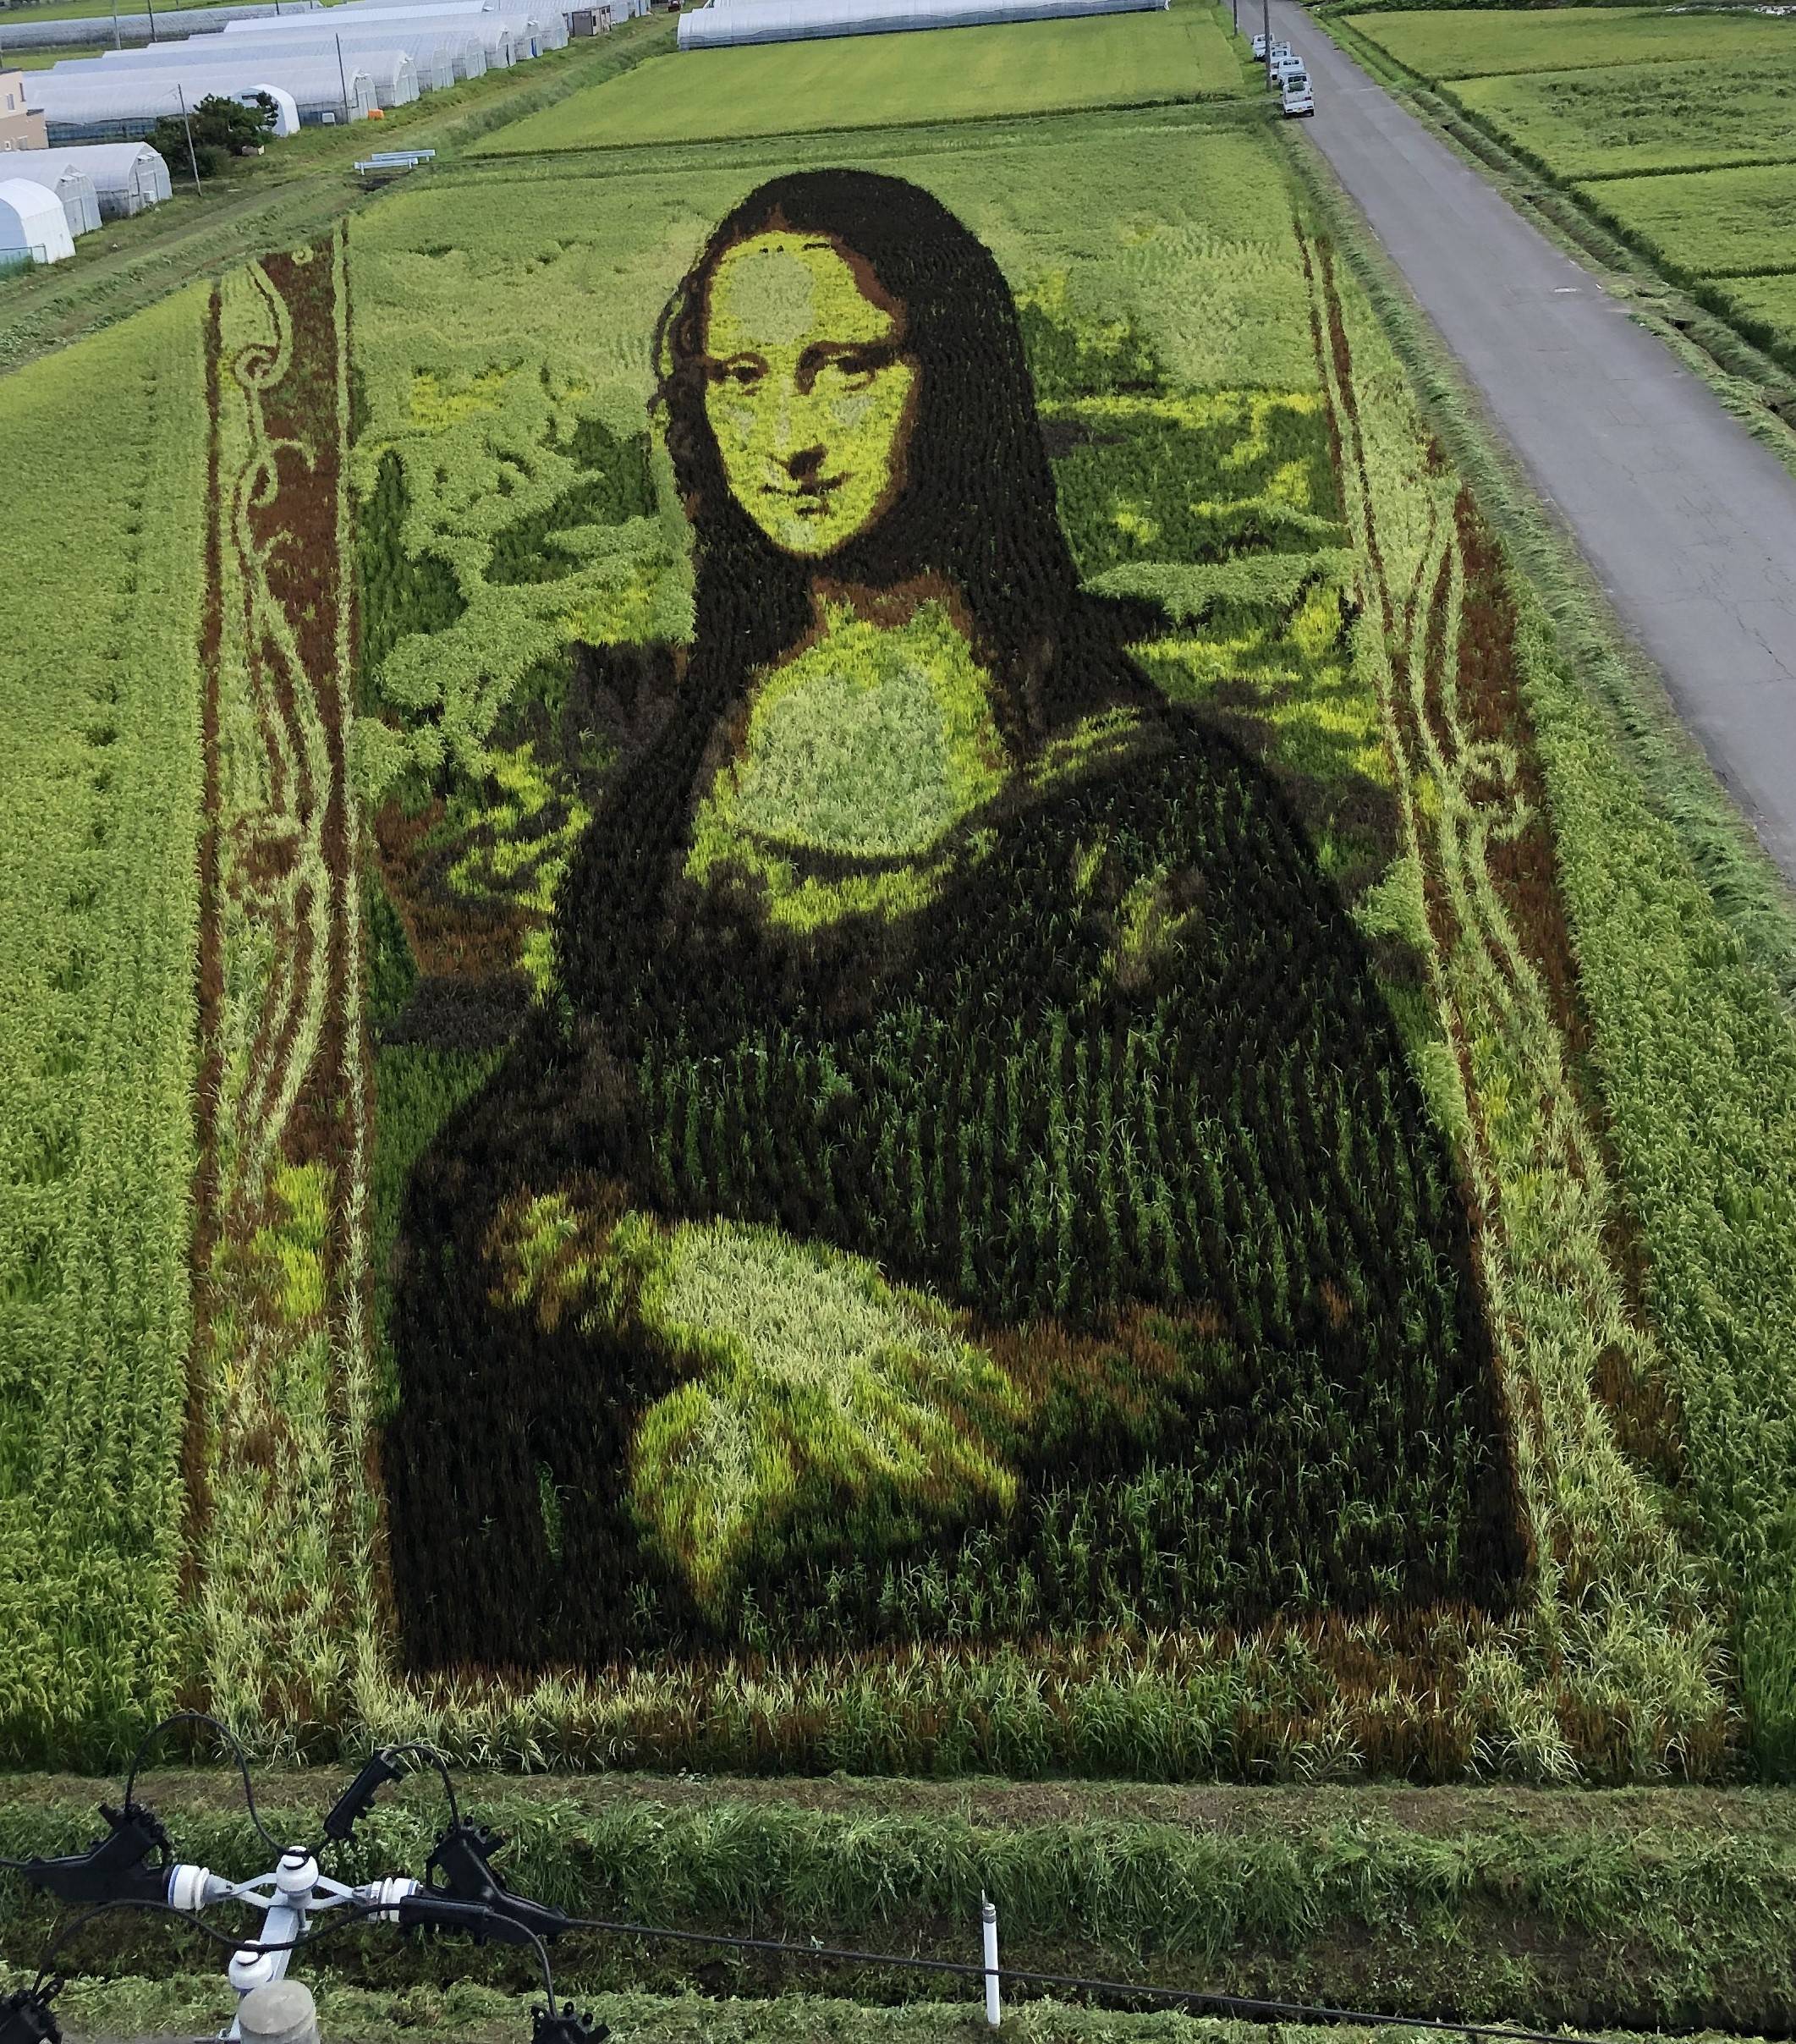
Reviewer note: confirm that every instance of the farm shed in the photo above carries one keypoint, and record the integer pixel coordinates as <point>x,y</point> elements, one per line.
<point>717,25</point>
<point>33,226</point>
<point>56,172</point>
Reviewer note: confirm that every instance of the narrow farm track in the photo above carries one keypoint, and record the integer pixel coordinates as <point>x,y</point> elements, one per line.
<point>1688,524</point>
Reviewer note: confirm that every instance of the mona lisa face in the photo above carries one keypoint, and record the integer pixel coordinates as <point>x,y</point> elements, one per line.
<point>808,390</point>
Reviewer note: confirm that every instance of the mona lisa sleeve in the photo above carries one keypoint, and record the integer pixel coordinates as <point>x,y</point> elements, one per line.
<point>507,1405</point>
<point>1258,1174</point>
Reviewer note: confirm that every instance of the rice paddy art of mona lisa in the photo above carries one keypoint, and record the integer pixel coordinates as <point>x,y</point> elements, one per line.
<point>943,1159</point>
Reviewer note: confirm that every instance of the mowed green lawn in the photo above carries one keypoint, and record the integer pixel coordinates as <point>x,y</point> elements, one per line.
<point>1616,119</point>
<point>1460,43</point>
<point>875,81</point>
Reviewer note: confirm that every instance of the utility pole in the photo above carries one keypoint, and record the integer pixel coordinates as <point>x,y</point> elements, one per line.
<point>150,4</point>
<point>193,161</point>
<point>117,40</point>
<point>342,80</point>
<point>1265,30</point>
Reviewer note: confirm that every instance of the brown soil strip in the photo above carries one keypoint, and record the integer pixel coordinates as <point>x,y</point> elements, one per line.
<point>210,985</point>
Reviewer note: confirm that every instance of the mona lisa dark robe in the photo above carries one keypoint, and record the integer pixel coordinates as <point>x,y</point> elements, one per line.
<point>1125,1093</point>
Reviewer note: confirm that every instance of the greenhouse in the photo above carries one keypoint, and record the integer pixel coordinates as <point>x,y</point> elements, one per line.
<point>430,38</point>
<point>124,105</point>
<point>392,69</point>
<point>57,172</point>
<point>127,177</point>
<point>719,25</point>
<point>173,26</point>
<point>398,75</point>
<point>33,226</point>
<point>506,35</point>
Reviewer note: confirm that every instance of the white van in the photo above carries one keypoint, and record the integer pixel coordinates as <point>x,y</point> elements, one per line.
<point>1295,95</point>
<point>1284,63</point>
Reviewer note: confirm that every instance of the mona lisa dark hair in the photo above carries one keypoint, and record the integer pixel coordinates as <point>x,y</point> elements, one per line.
<point>976,508</point>
<point>977,512</point>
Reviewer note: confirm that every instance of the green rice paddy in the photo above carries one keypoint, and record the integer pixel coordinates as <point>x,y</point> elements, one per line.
<point>1676,131</point>
<point>1710,223</point>
<point>876,81</point>
<point>1443,43</point>
<point>1614,119</point>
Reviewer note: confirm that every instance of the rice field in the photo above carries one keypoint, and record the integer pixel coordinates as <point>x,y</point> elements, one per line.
<point>1715,224</point>
<point>1022,1153</point>
<point>1614,120</point>
<point>876,81</point>
<point>1483,42</point>
<point>100,779</point>
<point>1764,307</point>
<point>1676,131</point>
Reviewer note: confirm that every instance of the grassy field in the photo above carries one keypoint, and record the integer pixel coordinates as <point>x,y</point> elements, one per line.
<point>1277,507</point>
<point>41,60</point>
<point>872,81</point>
<point>1447,43</point>
<point>398,584</point>
<point>1596,1912</point>
<point>1614,119</point>
<point>100,771</point>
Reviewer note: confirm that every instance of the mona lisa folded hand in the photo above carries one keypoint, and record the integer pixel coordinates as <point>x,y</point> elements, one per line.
<point>831,1412</point>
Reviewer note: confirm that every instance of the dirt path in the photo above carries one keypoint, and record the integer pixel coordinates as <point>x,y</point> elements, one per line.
<point>1688,524</point>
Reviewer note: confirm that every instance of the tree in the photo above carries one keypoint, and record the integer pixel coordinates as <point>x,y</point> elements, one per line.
<point>221,127</point>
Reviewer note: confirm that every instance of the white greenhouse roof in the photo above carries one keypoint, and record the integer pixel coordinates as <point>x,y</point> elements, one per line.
<point>307,74</point>
<point>135,27</point>
<point>111,165</point>
<point>799,20</point>
<point>353,16</point>
<point>49,167</point>
<point>31,217</point>
<point>496,34</point>
<point>127,96</point>
<point>391,68</point>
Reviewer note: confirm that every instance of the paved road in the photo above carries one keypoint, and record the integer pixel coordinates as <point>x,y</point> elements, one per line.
<point>1689,522</point>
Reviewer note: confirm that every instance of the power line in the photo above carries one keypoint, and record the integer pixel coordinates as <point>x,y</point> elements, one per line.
<point>1239,2004</point>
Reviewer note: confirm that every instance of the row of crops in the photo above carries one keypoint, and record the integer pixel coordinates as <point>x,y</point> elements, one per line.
<point>1162,1170</point>
<point>101,788</point>
<point>1678,130</point>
